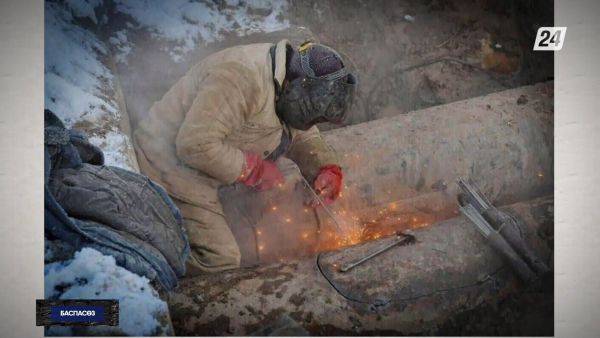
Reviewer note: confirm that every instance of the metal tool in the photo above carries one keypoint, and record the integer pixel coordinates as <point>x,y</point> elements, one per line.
<point>474,195</point>
<point>482,225</point>
<point>405,235</point>
<point>318,198</point>
<point>516,252</point>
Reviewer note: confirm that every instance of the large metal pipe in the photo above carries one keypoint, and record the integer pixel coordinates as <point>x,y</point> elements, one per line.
<point>401,171</point>
<point>505,141</point>
<point>448,282</point>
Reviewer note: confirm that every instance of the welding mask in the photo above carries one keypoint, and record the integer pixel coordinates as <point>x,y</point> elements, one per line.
<point>310,99</point>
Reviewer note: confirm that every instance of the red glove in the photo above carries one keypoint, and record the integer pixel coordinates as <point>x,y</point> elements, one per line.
<point>328,184</point>
<point>258,173</point>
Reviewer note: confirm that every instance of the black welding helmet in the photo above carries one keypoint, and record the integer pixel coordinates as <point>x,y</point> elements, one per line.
<point>310,99</point>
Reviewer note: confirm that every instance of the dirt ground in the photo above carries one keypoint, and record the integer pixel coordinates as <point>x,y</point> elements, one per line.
<point>476,46</point>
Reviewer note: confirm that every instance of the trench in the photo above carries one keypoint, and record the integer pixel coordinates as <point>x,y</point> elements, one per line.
<point>401,84</point>
<point>419,65</point>
<point>446,68</point>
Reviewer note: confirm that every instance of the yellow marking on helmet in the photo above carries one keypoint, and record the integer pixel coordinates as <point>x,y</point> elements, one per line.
<point>304,46</point>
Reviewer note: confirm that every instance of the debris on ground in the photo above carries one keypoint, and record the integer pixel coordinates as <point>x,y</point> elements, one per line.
<point>409,18</point>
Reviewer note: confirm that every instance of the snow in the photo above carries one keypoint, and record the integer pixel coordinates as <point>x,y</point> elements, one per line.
<point>122,36</point>
<point>122,44</point>
<point>78,86</point>
<point>73,73</point>
<point>84,8</point>
<point>91,275</point>
<point>114,145</point>
<point>122,55</point>
<point>186,22</point>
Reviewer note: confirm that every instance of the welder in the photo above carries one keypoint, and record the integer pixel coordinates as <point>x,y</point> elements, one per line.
<point>228,119</point>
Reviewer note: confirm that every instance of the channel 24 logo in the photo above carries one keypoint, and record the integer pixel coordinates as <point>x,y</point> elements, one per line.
<point>550,38</point>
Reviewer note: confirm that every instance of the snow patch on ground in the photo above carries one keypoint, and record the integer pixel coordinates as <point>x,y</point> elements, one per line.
<point>84,8</point>
<point>114,145</point>
<point>78,87</point>
<point>186,21</point>
<point>123,46</point>
<point>73,74</point>
<point>91,275</point>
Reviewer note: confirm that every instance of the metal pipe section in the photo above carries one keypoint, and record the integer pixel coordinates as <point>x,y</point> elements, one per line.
<point>446,283</point>
<point>400,172</point>
<point>505,141</point>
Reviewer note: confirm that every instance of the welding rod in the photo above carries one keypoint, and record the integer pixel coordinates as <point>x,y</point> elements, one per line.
<point>318,198</point>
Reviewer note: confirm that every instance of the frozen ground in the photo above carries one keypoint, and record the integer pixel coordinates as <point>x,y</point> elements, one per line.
<point>78,86</point>
<point>186,22</point>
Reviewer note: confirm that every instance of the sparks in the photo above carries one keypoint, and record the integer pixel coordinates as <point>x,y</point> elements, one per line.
<point>261,247</point>
<point>274,208</point>
<point>259,232</point>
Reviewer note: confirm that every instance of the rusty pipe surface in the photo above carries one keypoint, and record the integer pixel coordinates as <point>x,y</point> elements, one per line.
<point>448,282</point>
<point>505,143</point>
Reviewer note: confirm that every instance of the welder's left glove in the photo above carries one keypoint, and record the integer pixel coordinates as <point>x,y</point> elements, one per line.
<point>328,184</point>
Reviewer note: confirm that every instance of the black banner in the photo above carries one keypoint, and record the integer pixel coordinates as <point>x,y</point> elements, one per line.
<point>76,312</point>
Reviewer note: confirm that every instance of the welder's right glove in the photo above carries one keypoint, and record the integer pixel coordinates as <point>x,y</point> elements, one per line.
<point>258,173</point>
<point>328,184</point>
